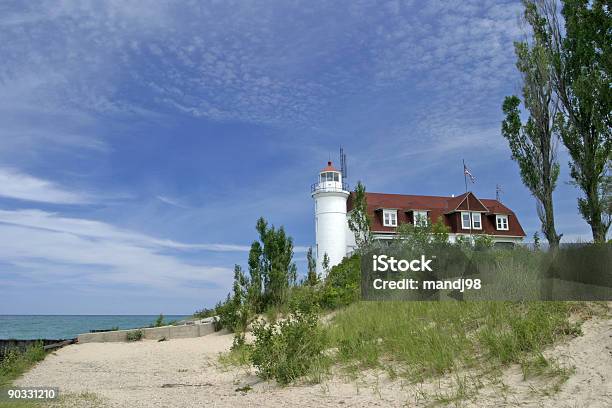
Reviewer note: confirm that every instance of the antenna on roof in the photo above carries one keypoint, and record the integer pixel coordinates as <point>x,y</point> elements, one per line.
<point>498,191</point>
<point>343,164</point>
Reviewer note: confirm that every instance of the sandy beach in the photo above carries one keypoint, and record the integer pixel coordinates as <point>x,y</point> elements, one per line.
<point>187,373</point>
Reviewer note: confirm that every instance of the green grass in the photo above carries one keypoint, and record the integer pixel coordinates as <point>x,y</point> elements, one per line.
<point>424,339</point>
<point>13,366</point>
<point>16,363</point>
<point>237,356</point>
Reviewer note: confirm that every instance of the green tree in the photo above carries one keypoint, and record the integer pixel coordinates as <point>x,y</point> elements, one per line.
<point>159,321</point>
<point>325,263</point>
<point>533,144</point>
<point>359,220</point>
<point>278,271</point>
<point>439,232</point>
<point>342,284</point>
<point>581,65</point>
<point>235,312</point>
<point>607,193</point>
<point>255,272</point>
<point>312,278</point>
<point>536,241</point>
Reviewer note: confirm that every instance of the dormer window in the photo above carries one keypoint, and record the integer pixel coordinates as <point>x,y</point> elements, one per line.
<point>475,217</point>
<point>501,221</point>
<point>476,221</point>
<point>390,218</point>
<point>419,218</point>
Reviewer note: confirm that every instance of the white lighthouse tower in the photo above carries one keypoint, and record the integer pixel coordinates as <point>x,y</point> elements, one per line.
<point>330,194</point>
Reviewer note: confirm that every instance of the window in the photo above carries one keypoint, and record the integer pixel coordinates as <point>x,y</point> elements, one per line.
<point>476,220</point>
<point>420,218</point>
<point>502,222</point>
<point>330,176</point>
<point>476,224</point>
<point>336,177</point>
<point>390,218</point>
<point>465,220</point>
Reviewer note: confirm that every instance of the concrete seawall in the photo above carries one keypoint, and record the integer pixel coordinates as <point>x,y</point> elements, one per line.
<point>152,333</point>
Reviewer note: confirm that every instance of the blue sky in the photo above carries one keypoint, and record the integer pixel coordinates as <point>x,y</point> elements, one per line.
<point>140,141</point>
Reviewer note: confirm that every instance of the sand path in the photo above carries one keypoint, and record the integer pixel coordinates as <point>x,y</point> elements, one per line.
<point>186,373</point>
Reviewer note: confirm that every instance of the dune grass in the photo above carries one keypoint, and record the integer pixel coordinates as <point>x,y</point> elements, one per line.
<point>14,364</point>
<point>423,339</point>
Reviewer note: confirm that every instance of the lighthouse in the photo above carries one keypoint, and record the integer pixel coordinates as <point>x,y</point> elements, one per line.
<point>330,194</point>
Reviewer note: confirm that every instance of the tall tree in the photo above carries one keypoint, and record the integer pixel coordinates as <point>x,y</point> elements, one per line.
<point>239,306</point>
<point>278,271</point>
<point>581,59</point>
<point>255,272</point>
<point>312,278</point>
<point>533,144</point>
<point>359,220</point>
<point>607,193</point>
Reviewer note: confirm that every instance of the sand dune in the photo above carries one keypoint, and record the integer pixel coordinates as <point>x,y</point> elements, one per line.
<point>186,373</point>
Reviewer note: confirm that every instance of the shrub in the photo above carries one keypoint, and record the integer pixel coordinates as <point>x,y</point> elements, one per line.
<point>305,298</point>
<point>342,284</point>
<point>160,320</point>
<point>228,314</point>
<point>483,242</point>
<point>135,335</point>
<point>288,349</point>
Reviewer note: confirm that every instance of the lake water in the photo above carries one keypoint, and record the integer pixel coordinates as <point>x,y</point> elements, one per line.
<point>26,327</point>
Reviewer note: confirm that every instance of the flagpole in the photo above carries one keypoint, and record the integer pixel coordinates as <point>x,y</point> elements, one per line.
<point>467,198</point>
<point>464,176</point>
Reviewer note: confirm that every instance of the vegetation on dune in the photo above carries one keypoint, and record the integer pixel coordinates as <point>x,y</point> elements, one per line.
<point>16,362</point>
<point>415,340</point>
<point>422,339</point>
<point>288,349</point>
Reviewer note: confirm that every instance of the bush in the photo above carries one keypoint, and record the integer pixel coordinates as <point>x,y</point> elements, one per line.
<point>135,335</point>
<point>305,298</point>
<point>342,284</point>
<point>227,313</point>
<point>160,320</point>
<point>483,242</point>
<point>288,349</point>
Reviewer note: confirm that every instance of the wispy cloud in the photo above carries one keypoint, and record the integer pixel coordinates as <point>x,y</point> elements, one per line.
<point>97,230</point>
<point>21,186</point>
<point>50,246</point>
<point>172,201</point>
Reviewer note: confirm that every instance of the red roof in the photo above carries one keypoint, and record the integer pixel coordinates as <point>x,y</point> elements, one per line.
<point>330,167</point>
<point>449,208</point>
